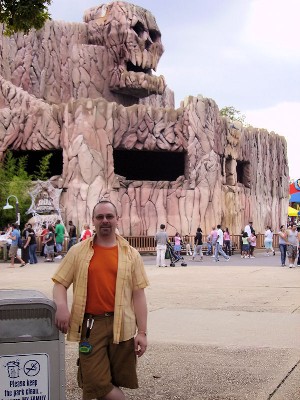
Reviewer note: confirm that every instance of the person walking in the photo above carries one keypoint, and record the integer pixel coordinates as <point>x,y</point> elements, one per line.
<point>161,238</point>
<point>252,244</point>
<point>42,236</point>
<point>109,311</point>
<point>209,245</point>
<point>86,233</point>
<point>177,244</point>
<point>292,244</point>
<point>72,235</point>
<point>13,250</point>
<point>59,238</point>
<point>49,244</point>
<point>268,241</point>
<point>282,240</point>
<point>188,247</point>
<point>25,250</point>
<point>198,244</point>
<point>227,242</point>
<point>245,245</point>
<point>32,245</point>
<point>213,235</point>
<point>219,245</point>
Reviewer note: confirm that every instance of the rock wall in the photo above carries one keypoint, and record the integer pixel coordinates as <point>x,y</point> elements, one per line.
<point>69,86</point>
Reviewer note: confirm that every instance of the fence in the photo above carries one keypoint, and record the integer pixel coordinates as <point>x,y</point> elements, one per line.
<point>146,244</point>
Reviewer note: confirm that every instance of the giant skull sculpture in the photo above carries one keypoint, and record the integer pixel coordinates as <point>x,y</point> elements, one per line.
<point>132,37</point>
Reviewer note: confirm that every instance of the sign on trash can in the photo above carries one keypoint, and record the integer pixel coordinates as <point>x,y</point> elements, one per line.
<point>32,350</point>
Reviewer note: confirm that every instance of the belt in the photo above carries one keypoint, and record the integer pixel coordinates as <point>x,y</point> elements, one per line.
<point>99,316</point>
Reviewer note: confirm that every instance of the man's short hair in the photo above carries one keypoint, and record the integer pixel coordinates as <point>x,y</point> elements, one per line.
<point>250,222</point>
<point>162,226</point>
<point>218,226</point>
<point>105,202</point>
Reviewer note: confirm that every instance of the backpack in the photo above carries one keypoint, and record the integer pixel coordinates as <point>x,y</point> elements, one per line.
<point>20,242</point>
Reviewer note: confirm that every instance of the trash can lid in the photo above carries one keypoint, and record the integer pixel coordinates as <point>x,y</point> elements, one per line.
<point>20,296</point>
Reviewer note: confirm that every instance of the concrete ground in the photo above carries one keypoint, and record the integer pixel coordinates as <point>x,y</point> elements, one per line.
<point>217,331</point>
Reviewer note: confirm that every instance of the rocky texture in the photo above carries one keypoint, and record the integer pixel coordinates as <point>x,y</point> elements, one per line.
<point>70,86</point>
<point>111,55</point>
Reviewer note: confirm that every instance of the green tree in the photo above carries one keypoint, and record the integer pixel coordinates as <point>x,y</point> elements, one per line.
<point>14,181</point>
<point>43,171</point>
<point>233,114</point>
<point>22,15</point>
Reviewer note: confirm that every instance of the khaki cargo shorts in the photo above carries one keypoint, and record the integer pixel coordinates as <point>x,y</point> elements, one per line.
<point>108,364</point>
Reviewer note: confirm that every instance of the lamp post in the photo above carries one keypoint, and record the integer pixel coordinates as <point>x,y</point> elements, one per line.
<point>9,207</point>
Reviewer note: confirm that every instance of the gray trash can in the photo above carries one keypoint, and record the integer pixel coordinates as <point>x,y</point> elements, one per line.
<point>32,350</point>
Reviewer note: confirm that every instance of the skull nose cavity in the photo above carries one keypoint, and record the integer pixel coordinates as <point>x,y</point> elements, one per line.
<point>148,44</point>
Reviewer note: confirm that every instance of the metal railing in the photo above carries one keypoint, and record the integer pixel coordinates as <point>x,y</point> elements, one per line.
<point>146,244</point>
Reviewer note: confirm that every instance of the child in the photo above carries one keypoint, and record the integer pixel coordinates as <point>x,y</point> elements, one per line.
<point>177,244</point>
<point>209,245</point>
<point>245,245</point>
<point>252,243</point>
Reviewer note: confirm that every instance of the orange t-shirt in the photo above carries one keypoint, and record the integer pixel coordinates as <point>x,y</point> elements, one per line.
<point>102,276</point>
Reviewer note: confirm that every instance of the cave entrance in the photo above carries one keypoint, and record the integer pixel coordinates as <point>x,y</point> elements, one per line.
<point>243,172</point>
<point>35,156</point>
<point>149,165</point>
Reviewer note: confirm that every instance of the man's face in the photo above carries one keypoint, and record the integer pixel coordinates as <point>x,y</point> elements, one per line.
<point>105,219</point>
<point>294,227</point>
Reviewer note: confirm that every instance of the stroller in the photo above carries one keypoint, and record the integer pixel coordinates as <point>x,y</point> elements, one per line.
<point>174,258</point>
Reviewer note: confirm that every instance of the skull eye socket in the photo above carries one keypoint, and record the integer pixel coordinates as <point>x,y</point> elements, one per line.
<point>139,28</point>
<point>154,35</point>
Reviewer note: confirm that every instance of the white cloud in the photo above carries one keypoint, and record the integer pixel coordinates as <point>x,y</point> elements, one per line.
<point>273,27</point>
<point>283,119</point>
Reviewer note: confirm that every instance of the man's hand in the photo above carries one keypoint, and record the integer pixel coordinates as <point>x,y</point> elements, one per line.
<point>140,344</point>
<point>62,319</point>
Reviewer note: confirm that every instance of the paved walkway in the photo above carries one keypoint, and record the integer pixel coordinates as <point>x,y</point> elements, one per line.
<point>226,330</point>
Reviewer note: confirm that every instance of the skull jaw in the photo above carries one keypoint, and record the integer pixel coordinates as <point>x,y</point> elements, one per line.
<point>136,84</point>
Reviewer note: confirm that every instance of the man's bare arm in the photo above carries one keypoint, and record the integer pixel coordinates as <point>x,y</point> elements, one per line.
<point>62,315</point>
<point>140,309</point>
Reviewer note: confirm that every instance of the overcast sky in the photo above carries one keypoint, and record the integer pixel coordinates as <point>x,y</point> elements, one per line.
<point>241,53</point>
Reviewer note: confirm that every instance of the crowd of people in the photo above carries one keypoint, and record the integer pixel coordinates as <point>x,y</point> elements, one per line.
<point>219,243</point>
<point>22,244</point>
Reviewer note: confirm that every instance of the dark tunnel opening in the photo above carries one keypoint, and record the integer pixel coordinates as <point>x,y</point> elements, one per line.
<point>149,165</point>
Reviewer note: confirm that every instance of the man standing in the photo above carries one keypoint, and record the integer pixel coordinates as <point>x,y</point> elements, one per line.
<point>219,245</point>
<point>109,311</point>
<point>161,238</point>
<point>249,228</point>
<point>198,244</point>
<point>72,235</point>
<point>59,238</point>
